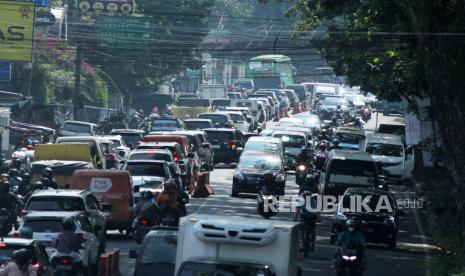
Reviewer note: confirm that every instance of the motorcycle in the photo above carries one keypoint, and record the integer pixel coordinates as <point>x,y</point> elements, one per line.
<point>5,223</point>
<point>348,263</point>
<point>66,265</point>
<point>301,174</point>
<point>143,226</point>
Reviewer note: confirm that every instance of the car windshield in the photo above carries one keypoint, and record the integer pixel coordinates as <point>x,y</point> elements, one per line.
<point>164,123</point>
<point>333,101</point>
<point>159,249</point>
<point>150,156</point>
<point>353,168</point>
<point>207,269</point>
<point>216,118</point>
<point>236,117</point>
<point>260,163</point>
<point>44,225</point>
<point>219,136</point>
<point>355,98</point>
<point>262,146</point>
<point>76,128</point>
<point>291,141</point>
<point>68,204</point>
<point>129,138</point>
<point>6,250</point>
<point>146,169</point>
<point>349,138</point>
<point>221,102</point>
<point>385,149</point>
<point>194,125</point>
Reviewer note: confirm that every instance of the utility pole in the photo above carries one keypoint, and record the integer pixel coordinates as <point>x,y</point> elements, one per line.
<point>77,83</point>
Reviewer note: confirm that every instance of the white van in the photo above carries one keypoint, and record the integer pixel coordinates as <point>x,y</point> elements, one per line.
<point>345,169</point>
<point>232,245</point>
<point>389,150</point>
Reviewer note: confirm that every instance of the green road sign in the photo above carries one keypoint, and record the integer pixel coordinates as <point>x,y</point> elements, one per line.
<point>126,31</point>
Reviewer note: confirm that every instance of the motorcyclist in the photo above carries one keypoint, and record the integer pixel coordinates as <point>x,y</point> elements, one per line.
<point>9,201</point>
<point>304,157</point>
<point>14,178</point>
<point>48,173</point>
<point>67,242</point>
<point>25,187</point>
<point>168,202</point>
<point>20,264</point>
<point>147,208</point>
<point>353,238</point>
<point>324,135</point>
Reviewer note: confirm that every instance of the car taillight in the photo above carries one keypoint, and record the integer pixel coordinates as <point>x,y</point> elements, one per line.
<point>144,222</point>
<point>65,262</point>
<point>36,266</point>
<point>23,213</point>
<point>176,157</point>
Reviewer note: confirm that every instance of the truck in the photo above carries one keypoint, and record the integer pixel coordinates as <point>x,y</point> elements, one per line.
<point>210,91</point>
<point>230,245</point>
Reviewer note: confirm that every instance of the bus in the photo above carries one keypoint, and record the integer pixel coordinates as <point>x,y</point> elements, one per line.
<point>270,71</point>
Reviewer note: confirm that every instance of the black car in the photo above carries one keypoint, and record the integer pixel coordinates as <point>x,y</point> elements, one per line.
<point>166,124</point>
<point>220,120</point>
<point>198,124</point>
<point>157,255</point>
<point>378,225</point>
<point>249,177</point>
<point>226,144</point>
<point>40,260</point>
<point>224,267</point>
<point>131,137</point>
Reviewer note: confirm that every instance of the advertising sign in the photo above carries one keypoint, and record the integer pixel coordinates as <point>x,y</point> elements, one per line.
<point>5,71</point>
<point>16,30</point>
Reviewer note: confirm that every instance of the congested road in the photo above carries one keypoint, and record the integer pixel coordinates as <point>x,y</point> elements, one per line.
<point>408,258</point>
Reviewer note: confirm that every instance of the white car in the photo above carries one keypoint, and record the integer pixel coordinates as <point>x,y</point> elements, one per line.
<point>46,226</point>
<point>389,150</point>
<point>123,149</point>
<point>239,120</point>
<point>290,122</point>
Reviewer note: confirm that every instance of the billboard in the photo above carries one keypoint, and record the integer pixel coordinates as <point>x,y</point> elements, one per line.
<point>16,30</point>
<point>5,71</point>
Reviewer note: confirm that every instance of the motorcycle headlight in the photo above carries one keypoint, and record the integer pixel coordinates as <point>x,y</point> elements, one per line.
<point>301,168</point>
<point>340,217</point>
<point>238,176</point>
<point>280,178</point>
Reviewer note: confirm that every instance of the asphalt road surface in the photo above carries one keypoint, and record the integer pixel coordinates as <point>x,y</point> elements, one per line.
<point>409,258</point>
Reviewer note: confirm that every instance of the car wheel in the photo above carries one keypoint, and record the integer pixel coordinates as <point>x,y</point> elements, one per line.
<point>392,243</point>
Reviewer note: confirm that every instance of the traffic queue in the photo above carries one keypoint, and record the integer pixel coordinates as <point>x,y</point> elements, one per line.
<point>59,200</point>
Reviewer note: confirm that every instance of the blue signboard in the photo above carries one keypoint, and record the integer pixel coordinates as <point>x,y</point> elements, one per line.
<point>41,3</point>
<point>5,71</point>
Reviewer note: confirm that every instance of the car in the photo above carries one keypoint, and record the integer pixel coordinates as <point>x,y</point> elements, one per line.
<point>310,120</point>
<point>220,103</point>
<point>199,146</point>
<point>301,91</point>
<point>226,144</point>
<point>389,151</point>
<point>152,154</point>
<point>157,254</point>
<point>166,123</point>
<point>293,143</point>
<point>77,128</point>
<point>349,137</point>
<point>234,95</point>
<point>273,94</point>
<point>302,129</point>
<point>249,175</point>
<point>285,99</point>
<point>131,137</point>
<point>293,98</point>
<point>379,224</point>
<point>395,128</point>
<point>240,121</point>
<point>270,107</point>
<point>251,119</point>
<point>198,124</point>
<point>389,108</point>
<point>39,258</point>
<point>248,84</point>
<point>346,169</point>
<point>220,120</point>
<point>329,105</point>
<point>64,200</point>
<point>357,101</point>
<point>265,144</point>
<point>45,226</point>
<point>150,174</point>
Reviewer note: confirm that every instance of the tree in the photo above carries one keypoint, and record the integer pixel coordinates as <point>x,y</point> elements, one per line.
<point>401,48</point>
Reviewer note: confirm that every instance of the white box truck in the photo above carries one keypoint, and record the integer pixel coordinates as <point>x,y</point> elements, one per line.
<point>212,91</point>
<point>228,245</point>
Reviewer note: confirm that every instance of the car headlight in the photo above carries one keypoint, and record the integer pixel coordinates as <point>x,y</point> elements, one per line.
<point>301,168</point>
<point>340,217</point>
<point>280,178</point>
<point>238,176</point>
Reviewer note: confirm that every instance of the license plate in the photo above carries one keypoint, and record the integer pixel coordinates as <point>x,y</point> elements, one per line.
<point>216,146</point>
<point>64,267</point>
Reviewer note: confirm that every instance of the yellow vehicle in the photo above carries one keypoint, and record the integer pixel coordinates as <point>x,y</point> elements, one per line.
<point>190,108</point>
<point>62,159</point>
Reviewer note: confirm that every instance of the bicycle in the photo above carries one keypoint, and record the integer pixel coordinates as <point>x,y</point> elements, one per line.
<point>308,234</point>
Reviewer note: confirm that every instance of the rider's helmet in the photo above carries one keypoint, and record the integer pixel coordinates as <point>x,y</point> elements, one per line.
<point>25,232</point>
<point>38,185</point>
<point>336,142</point>
<point>68,224</point>
<point>47,172</point>
<point>322,146</point>
<point>13,172</point>
<point>324,131</point>
<point>304,150</point>
<point>21,256</point>
<point>352,224</point>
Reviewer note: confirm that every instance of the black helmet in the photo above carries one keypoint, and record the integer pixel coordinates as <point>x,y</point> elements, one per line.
<point>38,185</point>
<point>47,171</point>
<point>68,224</point>
<point>26,176</point>
<point>21,256</point>
<point>336,142</point>
<point>148,195</point>
<point>324,131</point>
<point>304,149</point>
<point>13,172</point>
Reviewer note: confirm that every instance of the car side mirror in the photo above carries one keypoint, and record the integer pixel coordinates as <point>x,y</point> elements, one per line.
<point>133,254</point>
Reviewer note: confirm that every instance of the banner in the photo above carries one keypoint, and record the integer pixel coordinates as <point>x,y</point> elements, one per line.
<point>16,30</point>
